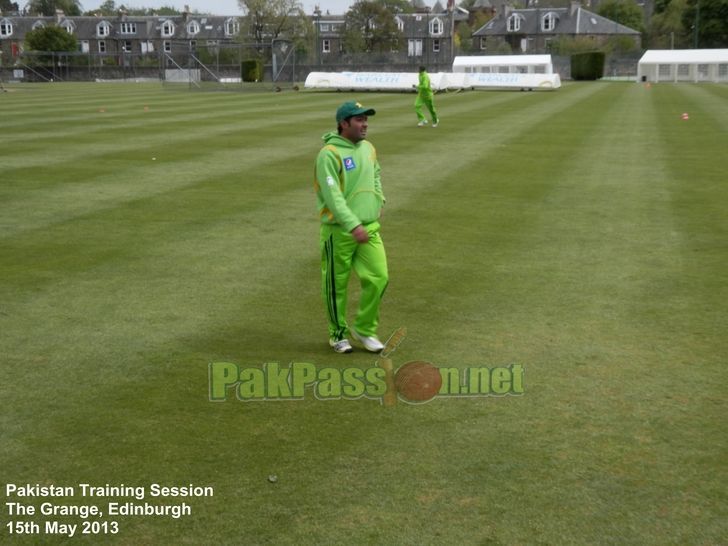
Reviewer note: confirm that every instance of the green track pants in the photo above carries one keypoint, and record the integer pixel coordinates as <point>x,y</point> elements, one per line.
<point>340,253</point>
<point>429,103</point>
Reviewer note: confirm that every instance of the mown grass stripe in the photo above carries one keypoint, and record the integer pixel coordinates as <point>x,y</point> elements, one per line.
<point>110,337</point>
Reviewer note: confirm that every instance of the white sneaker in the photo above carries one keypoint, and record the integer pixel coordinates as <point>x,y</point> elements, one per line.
<point>341,346</point>
<point>436,124</point>
<point>371,343</point>
<point>422,123</point>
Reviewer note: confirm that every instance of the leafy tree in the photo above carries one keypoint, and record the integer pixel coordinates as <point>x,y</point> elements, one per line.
<point>109,8</point>
<point>625,12</point>
<point>165,10</point>
<point>620,44</point>
<point>504,48</point>
<point>567,45</point>
<point>666,28</point>
<point>396,6</point>
<point>711,19</point>
<point>370,27</point>
<point>49,7</point>
<point>50,38</point>
<point>6,6</point>
<point>464,38</point>
<point>268,20</point>
<point>480,19</point>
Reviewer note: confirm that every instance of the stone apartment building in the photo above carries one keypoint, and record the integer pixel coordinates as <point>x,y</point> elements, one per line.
<point>533,29</point>
<point>122,34</point>
<point>427,35</point>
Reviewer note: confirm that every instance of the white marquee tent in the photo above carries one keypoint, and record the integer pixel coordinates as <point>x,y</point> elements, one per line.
<point>504,64</point>
<point>683,65</point>
<point>468,72</point>
<point>440,81</point>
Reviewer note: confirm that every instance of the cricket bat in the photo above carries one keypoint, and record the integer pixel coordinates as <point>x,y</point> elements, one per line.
<point>384,362</point>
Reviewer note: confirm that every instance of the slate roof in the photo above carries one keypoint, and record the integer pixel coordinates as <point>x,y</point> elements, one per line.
<point>684,56</point>
<point>148,27</point>
<point>582,21</point>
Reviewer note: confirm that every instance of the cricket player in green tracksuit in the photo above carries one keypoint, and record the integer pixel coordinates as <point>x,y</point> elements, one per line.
<point>425,98</point>
<point>349,195</point>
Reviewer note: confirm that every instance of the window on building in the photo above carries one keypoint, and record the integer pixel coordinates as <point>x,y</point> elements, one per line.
<point>193,45</point>
<point>326,46</point>
<point>514,23</point>
<point>414,48</point>
<point>325,27</point>
<point>102,46</point>
<point>38,24</point>
<point>436,26</point>
<point>126,46</point>
<point>6,28</point>
<point>68,26</point>
<point>232,27</point>
<point>436,45</point>
<point>167,46</point>
<point>193,27</point>
<point>722,70</point>
<point>400,24</point>
<point>83,46</point>
<point>148,46</point>
<point>548,21</point>
<point>482,43</point>
<point>128,28</point>
<point>168,28</point>
<point>103,29</point>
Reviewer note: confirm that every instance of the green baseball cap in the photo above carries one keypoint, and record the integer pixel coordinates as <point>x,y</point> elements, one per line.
<point>351,108</point>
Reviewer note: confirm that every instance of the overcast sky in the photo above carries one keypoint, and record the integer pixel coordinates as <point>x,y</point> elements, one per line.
<point>219,7</point>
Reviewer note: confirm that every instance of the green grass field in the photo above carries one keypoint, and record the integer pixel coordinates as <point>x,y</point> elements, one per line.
<point>580,233</point>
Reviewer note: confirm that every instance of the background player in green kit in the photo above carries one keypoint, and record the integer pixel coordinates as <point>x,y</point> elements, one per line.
<point>349,195</point>
<point>425,97</point>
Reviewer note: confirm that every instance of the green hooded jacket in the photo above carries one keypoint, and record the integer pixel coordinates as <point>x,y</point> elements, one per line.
<point>347,182</point>
<point>424,89</point>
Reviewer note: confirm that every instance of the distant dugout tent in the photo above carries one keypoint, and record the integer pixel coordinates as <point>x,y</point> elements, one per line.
<point>683,65</point>
<point>504,64</point>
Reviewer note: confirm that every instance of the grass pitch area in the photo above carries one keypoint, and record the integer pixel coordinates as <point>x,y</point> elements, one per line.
<point>580,234</point>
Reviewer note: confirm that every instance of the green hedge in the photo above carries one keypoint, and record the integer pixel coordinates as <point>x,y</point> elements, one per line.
<point>587,66</point>
<point>251,70</point>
